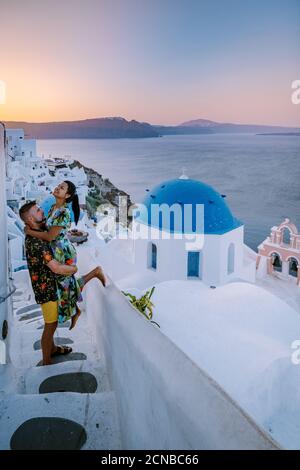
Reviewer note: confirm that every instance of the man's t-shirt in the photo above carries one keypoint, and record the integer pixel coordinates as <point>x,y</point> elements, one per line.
<point>39,254</point>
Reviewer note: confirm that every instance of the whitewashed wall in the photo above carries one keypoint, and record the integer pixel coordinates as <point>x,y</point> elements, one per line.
<point>172,257</point>
<point>165,400</point>
<point>4,288</point>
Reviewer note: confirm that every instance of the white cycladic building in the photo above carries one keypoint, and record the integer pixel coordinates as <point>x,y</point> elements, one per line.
<point>14,142</point>
<point>185,230</point>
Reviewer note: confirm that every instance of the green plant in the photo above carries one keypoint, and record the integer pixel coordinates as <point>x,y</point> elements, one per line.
<point>143,304</point>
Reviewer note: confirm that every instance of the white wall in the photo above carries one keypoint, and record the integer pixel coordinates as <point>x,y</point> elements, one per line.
<point>4,288</point>
<point>29,149</point>
<point>14,139</point>
<point>262,270</point>
<point>236,237</point>
<point>172,257</point>
<point>164,400</point>
<point>16,248</point>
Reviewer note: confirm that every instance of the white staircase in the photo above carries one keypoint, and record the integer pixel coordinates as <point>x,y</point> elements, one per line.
<point>92,405</point>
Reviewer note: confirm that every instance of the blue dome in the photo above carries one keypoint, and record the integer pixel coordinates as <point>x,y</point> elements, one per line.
<point>218,218</point>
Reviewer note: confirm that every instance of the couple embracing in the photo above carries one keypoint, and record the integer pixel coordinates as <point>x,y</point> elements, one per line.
<point>51,260</point>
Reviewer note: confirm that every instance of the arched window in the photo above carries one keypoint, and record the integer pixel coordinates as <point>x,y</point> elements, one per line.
<point>152,256</point>
<point>230,259</point>
<point>293,267</point>
<point>286,236</point>
<point>276,262</point>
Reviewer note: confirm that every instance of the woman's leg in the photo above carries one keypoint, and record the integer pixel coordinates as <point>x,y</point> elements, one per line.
<point>75,317</point>
<point>95,273</point>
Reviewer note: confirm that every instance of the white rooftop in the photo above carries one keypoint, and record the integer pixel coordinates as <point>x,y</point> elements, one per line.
<point>239,334</point>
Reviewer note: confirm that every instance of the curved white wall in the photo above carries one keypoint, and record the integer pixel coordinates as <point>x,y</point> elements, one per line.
<point>165,400</point>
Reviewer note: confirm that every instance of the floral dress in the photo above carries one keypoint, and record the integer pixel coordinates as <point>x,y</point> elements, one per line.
<point>69,287</point>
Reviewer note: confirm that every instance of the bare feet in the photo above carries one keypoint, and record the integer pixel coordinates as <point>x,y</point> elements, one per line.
<point>100,275</point>
<point>75,318</point>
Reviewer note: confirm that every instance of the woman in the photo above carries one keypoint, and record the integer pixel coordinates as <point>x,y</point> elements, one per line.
<point>58,223</point>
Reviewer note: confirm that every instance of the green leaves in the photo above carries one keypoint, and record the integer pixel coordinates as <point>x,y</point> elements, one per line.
<point>143,304</point>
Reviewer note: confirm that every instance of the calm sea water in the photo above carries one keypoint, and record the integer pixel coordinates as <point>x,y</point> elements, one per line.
<point>259,174</point>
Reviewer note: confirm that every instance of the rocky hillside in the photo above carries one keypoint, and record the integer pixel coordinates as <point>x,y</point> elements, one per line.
<point>101,128</point>
<point>101,191</point>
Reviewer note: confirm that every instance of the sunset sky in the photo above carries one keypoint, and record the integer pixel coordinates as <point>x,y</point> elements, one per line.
<point>158,61</point>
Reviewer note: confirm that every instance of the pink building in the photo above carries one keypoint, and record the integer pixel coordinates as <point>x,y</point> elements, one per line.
<point>280,252</point>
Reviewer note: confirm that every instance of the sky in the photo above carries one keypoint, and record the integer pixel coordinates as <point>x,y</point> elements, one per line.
<point>156,61</point>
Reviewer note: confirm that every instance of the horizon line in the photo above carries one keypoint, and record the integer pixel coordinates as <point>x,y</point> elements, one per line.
<point>146,122</point>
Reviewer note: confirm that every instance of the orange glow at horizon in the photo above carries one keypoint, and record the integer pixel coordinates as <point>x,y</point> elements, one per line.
<point>41,99</point>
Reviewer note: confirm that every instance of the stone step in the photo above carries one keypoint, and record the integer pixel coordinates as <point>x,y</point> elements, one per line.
<point>34,314</point>
<point>36,324</point>
<point>29,340</point>
<point>12,379</point>
<point>19,311</point>
<point>75,420</point>
<point>28,381</point>
<point>25,357</point>
<point>34,377</point>
<point>59,341</point>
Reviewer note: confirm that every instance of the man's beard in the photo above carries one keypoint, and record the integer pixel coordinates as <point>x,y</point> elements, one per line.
<point>43,223</point>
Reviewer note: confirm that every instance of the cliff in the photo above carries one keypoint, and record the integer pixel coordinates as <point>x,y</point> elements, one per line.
<point>101,191</point>
<point>100,128</point>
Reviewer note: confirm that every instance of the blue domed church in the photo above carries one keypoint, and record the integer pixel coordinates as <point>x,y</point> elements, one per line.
<point>185,230</point>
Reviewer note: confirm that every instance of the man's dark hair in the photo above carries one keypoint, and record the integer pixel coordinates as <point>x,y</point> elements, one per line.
<point>25,208</point>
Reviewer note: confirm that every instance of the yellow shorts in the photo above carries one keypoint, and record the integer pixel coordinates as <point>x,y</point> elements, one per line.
<point>50,311</point>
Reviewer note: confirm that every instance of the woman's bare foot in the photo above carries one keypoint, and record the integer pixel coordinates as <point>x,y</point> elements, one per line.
<point>100,275</point>
<point>75,318</point>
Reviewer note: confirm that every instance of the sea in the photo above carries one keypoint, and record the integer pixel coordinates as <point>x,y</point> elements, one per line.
<point>260,174</point>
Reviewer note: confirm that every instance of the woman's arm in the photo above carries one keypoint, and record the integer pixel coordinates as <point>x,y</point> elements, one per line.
<point>52,233</point>
<point>63,269</point>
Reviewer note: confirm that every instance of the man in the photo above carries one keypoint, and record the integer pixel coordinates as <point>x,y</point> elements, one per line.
<point>42,269</point>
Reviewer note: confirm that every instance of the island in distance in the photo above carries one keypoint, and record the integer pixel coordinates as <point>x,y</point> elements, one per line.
<point>118,128</point>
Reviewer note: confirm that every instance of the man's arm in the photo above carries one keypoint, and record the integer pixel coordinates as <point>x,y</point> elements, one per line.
<point>55,266</point>
<point>58,268</point>
<point>47,236</point>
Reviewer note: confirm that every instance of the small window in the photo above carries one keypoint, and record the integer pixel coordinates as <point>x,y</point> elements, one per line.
<point>276,262</point>
<point>152,256</point>
<point>193,264</point>
<point>286,236</point>
<point>293,267</point>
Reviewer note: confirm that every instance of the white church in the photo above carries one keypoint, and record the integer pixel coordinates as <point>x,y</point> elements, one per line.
<point>184,230</point>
